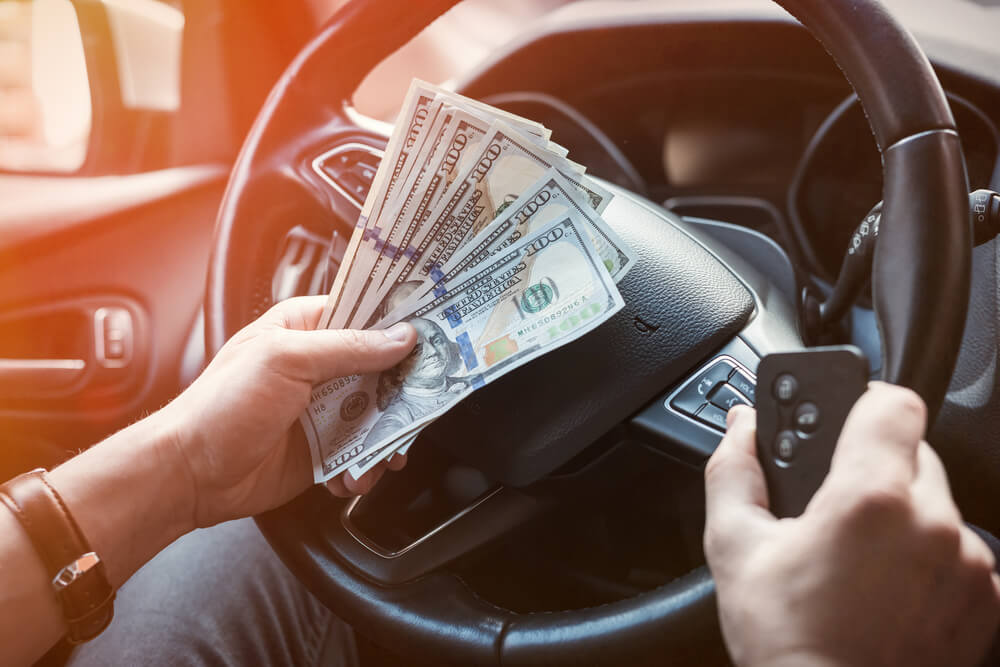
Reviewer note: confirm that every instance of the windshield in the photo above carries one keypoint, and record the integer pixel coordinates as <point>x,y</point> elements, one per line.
<point>465,36</point>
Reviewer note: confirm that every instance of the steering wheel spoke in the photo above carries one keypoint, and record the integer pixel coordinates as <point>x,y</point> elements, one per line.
<point>494,513</point>
<point>304,196</point>
<point>690,419</point>
<point>337,164</point>
<point>306,264</point>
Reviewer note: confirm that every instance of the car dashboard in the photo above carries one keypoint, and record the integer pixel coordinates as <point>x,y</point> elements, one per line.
<point>735,115</point>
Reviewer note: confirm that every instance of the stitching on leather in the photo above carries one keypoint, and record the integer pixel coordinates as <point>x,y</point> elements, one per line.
<point>996,305</point>
<point>16,509</point>
<point>682,577</point>
<point>62,546</point>
<point>65,510</point>
<point>478,598</point>
<point>19,514</point>
<point>514,615</point>
<point>27,525</point>
<point>509,617</point>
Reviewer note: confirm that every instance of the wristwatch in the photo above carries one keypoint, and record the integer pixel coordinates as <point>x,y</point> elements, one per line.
<point>78,577</point>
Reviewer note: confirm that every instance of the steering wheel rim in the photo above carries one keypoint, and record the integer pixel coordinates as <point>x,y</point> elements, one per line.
<point>920,282</point>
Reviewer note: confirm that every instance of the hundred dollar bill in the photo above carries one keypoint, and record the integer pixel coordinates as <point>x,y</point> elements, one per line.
<point>551,197</point>
<point>562,293</point>
<point>371,231</point>
<point>444,146</point>
<point>424,104</point>
<point>400,446</point>
<point>504,165</point>
<point>413,116</point>
<point>421,106</point>
<point>445,100</point>
<point>453,134</point>
<point>495,177</point>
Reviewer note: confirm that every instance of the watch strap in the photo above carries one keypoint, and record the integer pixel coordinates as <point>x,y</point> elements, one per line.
<point>78,576</point>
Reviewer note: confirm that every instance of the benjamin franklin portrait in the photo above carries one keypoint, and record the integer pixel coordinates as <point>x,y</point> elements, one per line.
<point>420,384</point>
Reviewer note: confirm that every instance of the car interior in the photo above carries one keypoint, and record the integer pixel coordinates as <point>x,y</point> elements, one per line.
<point>226,152</point>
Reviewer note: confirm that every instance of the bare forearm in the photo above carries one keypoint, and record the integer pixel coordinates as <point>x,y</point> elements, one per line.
<point>130,497</point>
<point>218,452</point>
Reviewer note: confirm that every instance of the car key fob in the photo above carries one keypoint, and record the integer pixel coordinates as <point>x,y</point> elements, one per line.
<point>803,399</point>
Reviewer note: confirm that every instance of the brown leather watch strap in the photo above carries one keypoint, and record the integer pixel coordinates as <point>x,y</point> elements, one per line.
<point>78,577</point>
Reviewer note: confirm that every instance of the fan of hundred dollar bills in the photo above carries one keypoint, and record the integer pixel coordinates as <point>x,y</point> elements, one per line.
<point>480,233</point>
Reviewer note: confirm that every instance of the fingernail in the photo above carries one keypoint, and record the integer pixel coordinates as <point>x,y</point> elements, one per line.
<point>741,413</point>
<point>734,415</point>
<point>398,332</point>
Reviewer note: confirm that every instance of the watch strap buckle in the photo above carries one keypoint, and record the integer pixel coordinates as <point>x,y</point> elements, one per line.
<point>75,570</point>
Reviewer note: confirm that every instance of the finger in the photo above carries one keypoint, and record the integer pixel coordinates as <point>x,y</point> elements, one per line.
<point>366,482</point>
<point>326,353</point>
<point>301,312</point>
<point>975,550</point>
<point>930,489</point>
<point>396,462</point>
<point>733,477</point>
<point>879,442</point>
<point>337,488</point>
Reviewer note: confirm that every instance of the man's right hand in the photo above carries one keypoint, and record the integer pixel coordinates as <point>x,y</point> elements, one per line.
<point>231,427</point>
<point>879,570</point>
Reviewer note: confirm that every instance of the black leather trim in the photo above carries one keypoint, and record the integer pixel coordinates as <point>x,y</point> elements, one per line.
<point>439,616</point>
<point>674,624</point>
<point>922,264</point>
<point>925,223</point>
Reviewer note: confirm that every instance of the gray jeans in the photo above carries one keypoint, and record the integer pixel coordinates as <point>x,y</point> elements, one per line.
<point>219,596</point>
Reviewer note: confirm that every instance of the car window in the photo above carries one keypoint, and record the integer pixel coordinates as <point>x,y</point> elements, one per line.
<point>462,38</point>
<point>455,43</point>
<point>45,108</point>
<point>78,81</point>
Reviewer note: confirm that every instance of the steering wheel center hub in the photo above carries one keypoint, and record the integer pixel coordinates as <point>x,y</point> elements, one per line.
<point>682,304</point>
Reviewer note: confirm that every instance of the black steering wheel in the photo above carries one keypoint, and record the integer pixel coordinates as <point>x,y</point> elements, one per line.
<point>683,305</point>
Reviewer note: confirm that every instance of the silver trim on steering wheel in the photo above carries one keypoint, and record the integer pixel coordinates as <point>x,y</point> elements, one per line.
<point>366,542</point>
<point>333,152</point>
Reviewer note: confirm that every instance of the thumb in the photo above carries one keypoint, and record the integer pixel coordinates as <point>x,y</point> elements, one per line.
<point>322,354</point>
<point>735,489</point>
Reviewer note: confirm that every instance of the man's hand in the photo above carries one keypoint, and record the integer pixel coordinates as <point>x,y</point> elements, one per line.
<point>232,423</point>
<point>221,450</point>
<point>879,570</point>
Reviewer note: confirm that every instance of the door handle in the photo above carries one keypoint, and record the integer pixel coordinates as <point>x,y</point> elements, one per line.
<point>71,357</point>
<point>33,377</point>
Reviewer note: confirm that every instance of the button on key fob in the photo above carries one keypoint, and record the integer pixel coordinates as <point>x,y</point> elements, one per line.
<point>803,399</point>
